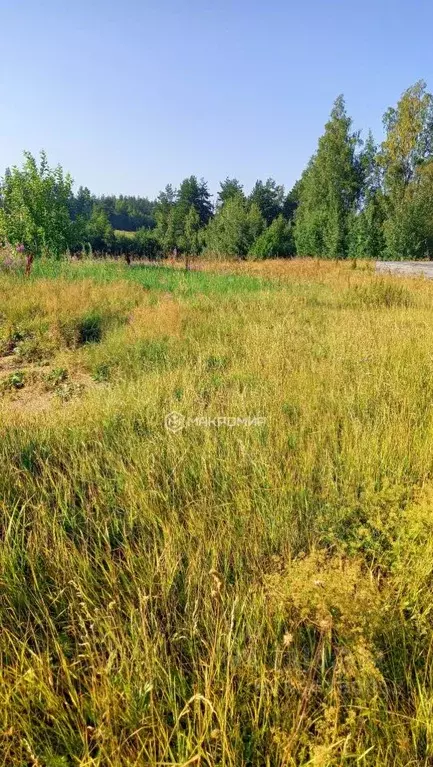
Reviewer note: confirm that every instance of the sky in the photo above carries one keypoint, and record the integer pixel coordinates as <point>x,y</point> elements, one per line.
<point>129,96</point>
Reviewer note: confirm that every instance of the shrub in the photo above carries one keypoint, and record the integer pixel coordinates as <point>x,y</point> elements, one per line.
<point>146,244</point>
<point>235,227</point>
<point>276,240</point>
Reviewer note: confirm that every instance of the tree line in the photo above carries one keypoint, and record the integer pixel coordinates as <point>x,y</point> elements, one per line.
<point>355,199</point>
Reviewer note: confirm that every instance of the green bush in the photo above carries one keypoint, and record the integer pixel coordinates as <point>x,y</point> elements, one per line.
<point>146,244</point>
<point>276,241</point>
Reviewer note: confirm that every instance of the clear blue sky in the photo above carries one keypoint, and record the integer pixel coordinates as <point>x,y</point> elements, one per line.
<point>131,95</point>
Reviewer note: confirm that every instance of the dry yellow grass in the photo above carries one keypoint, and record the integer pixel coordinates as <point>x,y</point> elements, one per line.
<point>219,596</point>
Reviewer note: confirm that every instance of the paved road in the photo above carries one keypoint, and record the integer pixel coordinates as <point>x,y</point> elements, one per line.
<point>406,268</point>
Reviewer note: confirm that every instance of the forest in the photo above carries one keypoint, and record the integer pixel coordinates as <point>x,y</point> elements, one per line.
<point>355,199</point>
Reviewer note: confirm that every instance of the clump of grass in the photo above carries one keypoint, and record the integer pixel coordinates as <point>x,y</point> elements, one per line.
<point>217,363</point>
<point>380,293</point>
<point>102,372</point>
<point>152,353</point>
<point>84,329</point>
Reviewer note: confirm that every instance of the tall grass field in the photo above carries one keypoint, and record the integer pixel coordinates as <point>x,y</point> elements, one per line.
<point>216,516</point>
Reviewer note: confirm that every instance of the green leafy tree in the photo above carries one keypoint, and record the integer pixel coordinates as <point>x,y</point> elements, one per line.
<point>80,211</point>
<point>191,238</point>
<point>99,232</point>
<point>81,204</point>
<point>194,193</point>
<point>165,217</point>
<point>168,229</point>
<point>330,190</point>
<point>366,231</point>
<point>409,138</point>
<point>127,212</point>
<point>146,244</point>
<point>276,241</point>
<point>255,223</point>
<point>35,208</point>
<point>291,201</point>
<point>235,227</point>
<point>269,197</point>
<point>173,208</point>
<point>409,228</point>
<point>167,198</point>
<point>406,156</point>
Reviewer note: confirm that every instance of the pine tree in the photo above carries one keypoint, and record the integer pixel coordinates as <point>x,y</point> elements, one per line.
<point>229,188</point>
<point>269,197</point>
<point>196,194</point>
<point>235,227</point>
<point>172,210</point>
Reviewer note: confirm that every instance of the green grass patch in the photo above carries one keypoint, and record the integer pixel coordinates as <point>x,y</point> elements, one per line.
<point>154,278</point>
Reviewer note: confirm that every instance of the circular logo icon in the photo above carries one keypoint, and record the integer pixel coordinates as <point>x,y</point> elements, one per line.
<point>174,422</point>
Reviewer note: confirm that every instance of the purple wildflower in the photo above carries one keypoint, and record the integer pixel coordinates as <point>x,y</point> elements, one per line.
<point>20,248</point>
